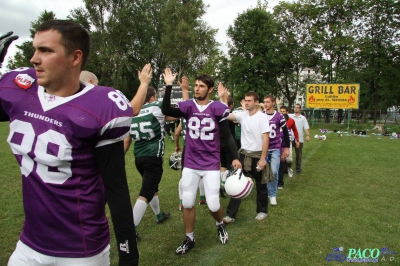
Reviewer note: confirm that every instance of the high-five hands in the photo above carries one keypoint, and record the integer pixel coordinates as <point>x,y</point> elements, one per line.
<point>146,74</point>
<point>169,77</point>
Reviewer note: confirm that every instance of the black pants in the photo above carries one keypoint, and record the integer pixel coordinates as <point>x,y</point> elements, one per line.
<point>299,155</point>
<point>262,192</point>
<point>151,170</point>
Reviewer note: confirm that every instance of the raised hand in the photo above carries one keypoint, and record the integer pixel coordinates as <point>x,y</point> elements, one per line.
<point>146,74</point>
<point>184,84</point>
<point>169,77</point>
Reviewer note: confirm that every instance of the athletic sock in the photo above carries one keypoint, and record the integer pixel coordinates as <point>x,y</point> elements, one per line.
<point>190,235</point>
<point>155,205</point>
<point>138,211</point>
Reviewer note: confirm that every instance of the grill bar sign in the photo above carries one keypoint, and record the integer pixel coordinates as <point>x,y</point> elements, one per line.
<point>333,96</point>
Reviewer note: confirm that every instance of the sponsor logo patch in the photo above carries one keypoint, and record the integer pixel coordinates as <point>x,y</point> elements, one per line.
<point>24,81</point>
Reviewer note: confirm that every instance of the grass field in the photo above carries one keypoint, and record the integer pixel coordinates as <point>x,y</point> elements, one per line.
<point>348,196</point>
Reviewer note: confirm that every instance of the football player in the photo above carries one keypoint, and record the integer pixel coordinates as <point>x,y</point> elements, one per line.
<point>204,118</point>
<point>277,123</point>
<point>147,132</point>
<point>67,137</point>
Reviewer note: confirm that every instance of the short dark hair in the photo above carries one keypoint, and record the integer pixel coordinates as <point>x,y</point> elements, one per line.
<point>272,97</point>
<point>151,91</point>
<point>206,79</point>
<point>284,107</point>
<point>254,95</point>
<point>73,36</point>
<point>230,101</point>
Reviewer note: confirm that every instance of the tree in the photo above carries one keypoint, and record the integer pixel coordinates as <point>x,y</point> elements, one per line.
<point>332,22</point>
<point>253,60</point>
<point>377,54</point>
<point>296,50</point>
<point>187,41</point>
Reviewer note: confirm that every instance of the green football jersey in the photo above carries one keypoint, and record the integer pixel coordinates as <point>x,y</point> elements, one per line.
<point>238,132</point>
<point>147,131</point>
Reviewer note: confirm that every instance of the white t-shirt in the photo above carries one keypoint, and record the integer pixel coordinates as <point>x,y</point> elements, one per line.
<point>301,125</point>
<point>252,128</point>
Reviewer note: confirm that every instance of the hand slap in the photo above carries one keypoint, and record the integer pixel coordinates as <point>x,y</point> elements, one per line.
<point>168,76</point>
<point>146,74</point>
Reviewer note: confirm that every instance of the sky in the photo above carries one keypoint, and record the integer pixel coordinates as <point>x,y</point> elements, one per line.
<point>17,15</point>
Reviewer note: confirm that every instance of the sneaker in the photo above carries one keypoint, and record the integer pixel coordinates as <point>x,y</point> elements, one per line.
<point>272,201</point>
<point>185,246</point>
<point>290,172</point>
<point>165,216</point>
<point>298,172</point>
<point>138,237</point>
<point>280,187</point>
<point>228,220</point>
<point>222,233</point>
<point>180,207</point>
<point>201,202</point>
<point>261,216</point>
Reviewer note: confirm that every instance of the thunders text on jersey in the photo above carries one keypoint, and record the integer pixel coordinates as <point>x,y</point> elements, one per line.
<point>44,118</point>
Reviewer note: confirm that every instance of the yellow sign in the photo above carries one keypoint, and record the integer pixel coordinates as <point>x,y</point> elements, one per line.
<point>333,96</point>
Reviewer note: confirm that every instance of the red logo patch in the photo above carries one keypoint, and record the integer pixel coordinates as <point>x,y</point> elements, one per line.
<point>24,81</point>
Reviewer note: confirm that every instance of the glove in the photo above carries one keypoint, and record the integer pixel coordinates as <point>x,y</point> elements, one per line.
<point>5,41</point>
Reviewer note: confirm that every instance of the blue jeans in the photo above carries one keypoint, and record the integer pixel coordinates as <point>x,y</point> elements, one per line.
<point>275,159</point>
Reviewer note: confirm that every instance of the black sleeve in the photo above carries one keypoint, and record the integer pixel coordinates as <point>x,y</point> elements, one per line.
<point>226,140</point>
<point>166,104</point>
<point>3,115</point>
<point>286,136</point>
<point>111,161</point>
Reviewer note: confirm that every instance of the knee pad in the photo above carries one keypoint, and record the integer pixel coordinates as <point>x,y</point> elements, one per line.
<point>213,202</point>
<point>188,199</point>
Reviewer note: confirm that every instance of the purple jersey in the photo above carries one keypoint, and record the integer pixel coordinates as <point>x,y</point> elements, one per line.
<point>276,121</point>
<point>53,139</point>
<point>202,150</point>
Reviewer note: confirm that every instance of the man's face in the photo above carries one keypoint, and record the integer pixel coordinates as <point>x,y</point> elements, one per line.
<point>249,103</point>
<point>297,109</point>
<point>50,60</point>
<point>268,104</point>
<point>283,111</point>
<point>201,91</point>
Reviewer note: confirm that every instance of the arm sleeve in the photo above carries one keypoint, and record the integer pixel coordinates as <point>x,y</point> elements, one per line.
<point>166,104</point>
<point>227,143</point>
<point>3,115</point>
<point>110,159</point>
<point>286,136</point>
<point>295,132</point>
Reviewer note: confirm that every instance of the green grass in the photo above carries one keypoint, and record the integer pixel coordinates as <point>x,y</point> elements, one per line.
<point>348,196</point>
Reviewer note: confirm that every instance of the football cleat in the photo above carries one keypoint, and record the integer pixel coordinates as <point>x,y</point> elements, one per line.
<point>238,185</point>
<point>222,233</point>
<point>185,246</point>
<point>175,161</point>
<point>165,216</point>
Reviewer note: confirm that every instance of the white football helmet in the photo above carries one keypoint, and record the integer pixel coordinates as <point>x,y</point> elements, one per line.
<point>238,185</point>
<point>175,161</point>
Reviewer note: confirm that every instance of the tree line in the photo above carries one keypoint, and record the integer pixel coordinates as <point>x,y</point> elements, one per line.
<point>345,41</point>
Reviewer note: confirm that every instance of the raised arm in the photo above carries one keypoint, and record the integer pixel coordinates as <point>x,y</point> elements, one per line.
<point>166,104</point>
<point>140,96</point>
<point>184,87</point>
<point>5,41</point>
